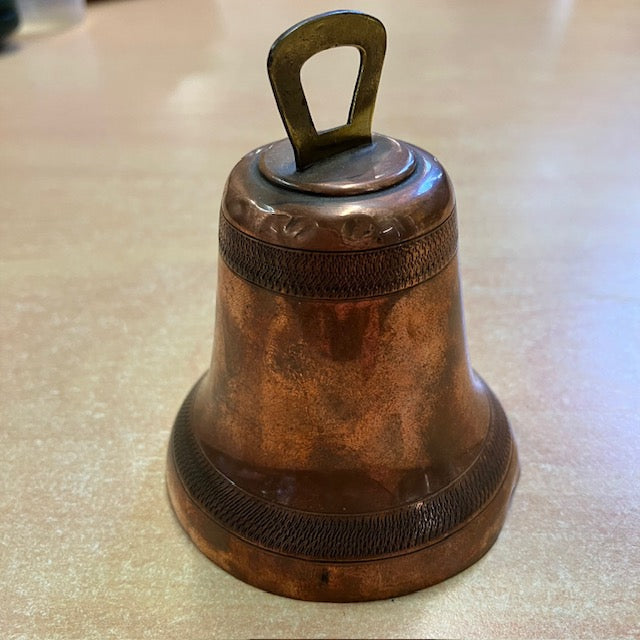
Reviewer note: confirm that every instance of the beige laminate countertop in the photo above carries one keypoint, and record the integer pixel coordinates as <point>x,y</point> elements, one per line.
<point>116,137</point>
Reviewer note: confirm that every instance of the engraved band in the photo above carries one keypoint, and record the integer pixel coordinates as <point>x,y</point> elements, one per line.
<point>338,274</point>
<point>341,537</point>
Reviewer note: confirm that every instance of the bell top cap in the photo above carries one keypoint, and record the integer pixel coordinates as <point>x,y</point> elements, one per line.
<point>382,163</point>
<point>290,217</point>
<point>345,188</point>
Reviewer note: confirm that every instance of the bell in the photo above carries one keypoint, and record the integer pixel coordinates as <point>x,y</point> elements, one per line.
<point>340,447</point>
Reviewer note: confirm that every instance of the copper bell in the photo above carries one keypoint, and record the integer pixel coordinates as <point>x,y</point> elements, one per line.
<point>340,447</point>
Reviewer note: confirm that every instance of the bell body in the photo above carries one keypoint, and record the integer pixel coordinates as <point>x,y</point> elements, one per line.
<point>340,447</point>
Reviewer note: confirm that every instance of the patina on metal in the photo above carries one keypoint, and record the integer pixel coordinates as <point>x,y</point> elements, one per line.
<point>293,48</point>
<point>340,447</point>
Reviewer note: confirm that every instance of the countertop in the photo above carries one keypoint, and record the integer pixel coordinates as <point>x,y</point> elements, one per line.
<point>116,139</point>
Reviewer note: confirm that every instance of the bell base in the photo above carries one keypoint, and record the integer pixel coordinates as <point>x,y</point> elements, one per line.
<point>352,580</point>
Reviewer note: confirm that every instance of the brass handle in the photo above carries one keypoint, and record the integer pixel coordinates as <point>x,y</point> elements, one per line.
<point>293,48</point>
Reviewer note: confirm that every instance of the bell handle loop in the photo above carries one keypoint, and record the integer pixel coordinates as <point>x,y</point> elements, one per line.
<point>299,43</point>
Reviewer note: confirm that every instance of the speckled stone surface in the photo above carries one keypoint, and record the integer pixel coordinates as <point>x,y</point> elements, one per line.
<point>116,138</point>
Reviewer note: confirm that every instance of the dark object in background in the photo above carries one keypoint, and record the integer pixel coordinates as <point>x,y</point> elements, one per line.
<point>340,448</point>
<point>9,19</point>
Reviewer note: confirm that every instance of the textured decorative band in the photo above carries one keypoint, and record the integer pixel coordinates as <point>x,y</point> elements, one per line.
<point>341,537</point>
<point>338,274</point>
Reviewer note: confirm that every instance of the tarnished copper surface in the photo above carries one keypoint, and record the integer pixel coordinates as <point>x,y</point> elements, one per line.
<point>340,447</point>
<point>349,394</point>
